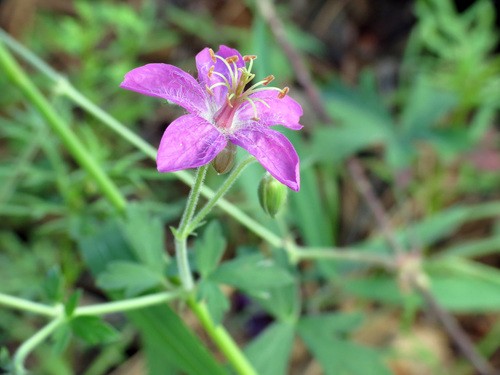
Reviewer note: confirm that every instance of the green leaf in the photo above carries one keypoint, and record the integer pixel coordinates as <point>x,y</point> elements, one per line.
<point>162,328</point>
<point>93,330</point>
<point>281,302</point>
<point>464,286</point>
<point>270,352</point>
<point>425,106</point>
<point>61,338</point>
<point>72,302</point>
<point>146,236</point>
<point>209,248</point>
<point>216,300</point>
<point>252,273</point>
<point>133,278</point>
<point>53,285</point>
<point>337,356</point>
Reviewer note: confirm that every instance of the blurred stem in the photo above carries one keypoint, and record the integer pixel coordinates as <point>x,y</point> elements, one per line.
<point>25,305</point>
<point>298,253</point>
<point>58,125</point>
<point>27,347</point>
<point>223,340</point>
<point>181,234</point>
<point>219,194</point>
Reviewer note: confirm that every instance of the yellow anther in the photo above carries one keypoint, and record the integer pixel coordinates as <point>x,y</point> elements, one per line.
<point>266,81</point>
<point>232,59</point>
<point>209,90</point>
<point>211,71</point>
<point>248,58</point>
<point>283,92</point>
<point>212,54</point>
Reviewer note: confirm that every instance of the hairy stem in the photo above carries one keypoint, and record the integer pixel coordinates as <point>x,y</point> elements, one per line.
<point>219,194</point>
<point>223,340</point>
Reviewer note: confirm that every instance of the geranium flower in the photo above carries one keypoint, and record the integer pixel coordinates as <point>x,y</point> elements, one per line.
<point>223,109</point>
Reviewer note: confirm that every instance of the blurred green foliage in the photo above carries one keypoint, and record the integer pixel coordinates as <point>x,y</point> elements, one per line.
<point>57,230</point>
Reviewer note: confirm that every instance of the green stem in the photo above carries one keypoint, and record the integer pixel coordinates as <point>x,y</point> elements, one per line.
<point>24,305</point>
<point>128,304</point>
<point>192,201</point>
<point>58,125</point>
<point>222,338</point>
<point>298,254</point>
<point>181,234</point>
<point>27,347</point>
<point>219,194</point>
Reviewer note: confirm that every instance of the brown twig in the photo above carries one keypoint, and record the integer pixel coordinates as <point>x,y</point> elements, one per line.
<point>448,321</point>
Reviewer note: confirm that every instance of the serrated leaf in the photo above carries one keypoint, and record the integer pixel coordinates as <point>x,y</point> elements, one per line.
<point>252,273</point>
<point>216,300</point>
<point>93,330</point>
<point>145,233</point>
<point>209,248</point>
<point>270,352</point>
<point>133,278</point>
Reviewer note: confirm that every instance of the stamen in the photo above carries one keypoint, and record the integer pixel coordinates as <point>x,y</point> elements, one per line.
<point>209,90</point>
<point>233,75</point>
<point>283,92</point>
<point>268,80</point>
<point>217,85</point>
<point>212,54</point>
<point>254,107</point>
<point>211,71</point>
<point>248,58</point>
<point>232,59</point>
<point>260,100</point>
<point>223,77</point>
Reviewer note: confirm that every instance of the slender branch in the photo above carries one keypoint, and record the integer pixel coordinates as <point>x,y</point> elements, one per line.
<point>456,333</point>
<point>219,194</point>
<point>27,347</point>
<point>128,304</point>
<point>298,253</point>
<point>192,201</point>
<point>222,338</point>
<point>25,305</point>
<point>268,12</point>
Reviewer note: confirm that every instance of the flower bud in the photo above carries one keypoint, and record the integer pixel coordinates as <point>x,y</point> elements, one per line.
<point>224,161</point>
<point>272,194</point>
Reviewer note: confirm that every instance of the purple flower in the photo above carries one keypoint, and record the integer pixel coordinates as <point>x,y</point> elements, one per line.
<point>222,107</point>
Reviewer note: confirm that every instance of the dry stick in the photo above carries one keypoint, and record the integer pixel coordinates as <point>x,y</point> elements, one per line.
<point>456,333</point>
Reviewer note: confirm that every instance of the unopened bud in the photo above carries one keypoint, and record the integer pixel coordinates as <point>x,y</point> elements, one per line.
<point>272,194</point>
<point>224,161</point>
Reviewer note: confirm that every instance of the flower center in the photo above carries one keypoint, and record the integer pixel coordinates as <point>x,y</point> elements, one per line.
<point>237,93</point>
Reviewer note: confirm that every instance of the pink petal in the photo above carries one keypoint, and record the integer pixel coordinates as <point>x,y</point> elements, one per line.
<point>188,142</point>
<point>167,82</point>
<point>273,150</point>
<point>285,111</point>
<point>204,62</point>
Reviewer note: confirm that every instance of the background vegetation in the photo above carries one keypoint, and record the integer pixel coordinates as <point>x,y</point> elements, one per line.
<point>386,261</point>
